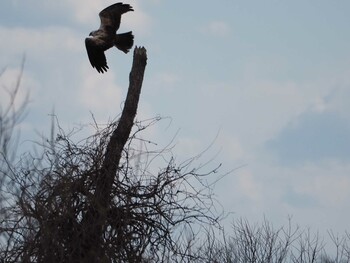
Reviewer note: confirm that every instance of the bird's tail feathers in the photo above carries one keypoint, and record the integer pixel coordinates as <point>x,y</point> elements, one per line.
<point>124,41</point>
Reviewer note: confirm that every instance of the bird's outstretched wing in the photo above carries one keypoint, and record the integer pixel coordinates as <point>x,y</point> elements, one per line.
<point>96,54</point>
<point>110,16</point>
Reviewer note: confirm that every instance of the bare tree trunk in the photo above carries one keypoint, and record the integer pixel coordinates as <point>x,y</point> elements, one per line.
<point>95,218</point>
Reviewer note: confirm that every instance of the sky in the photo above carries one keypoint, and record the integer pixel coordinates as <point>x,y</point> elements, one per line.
<point>265,84</point>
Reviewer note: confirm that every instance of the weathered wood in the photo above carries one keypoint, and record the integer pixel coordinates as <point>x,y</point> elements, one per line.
<point>95,218</point>
<point>121,134</point>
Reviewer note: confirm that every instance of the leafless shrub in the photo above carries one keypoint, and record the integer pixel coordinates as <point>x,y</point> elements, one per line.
<point>262,243</point>
<point>146,215</point>
<point>111,198</point>
<point>87,201</point>
<point>11,114</point>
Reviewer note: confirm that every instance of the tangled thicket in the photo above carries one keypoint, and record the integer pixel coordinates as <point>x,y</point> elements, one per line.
<point>92,202</point>
<point>54,197</point>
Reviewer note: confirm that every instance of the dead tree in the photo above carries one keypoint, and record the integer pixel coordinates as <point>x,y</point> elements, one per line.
<point>95,218</point>
<point>85,202</point>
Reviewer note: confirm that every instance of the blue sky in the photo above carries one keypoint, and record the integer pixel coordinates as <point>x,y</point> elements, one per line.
<point>268,82</point>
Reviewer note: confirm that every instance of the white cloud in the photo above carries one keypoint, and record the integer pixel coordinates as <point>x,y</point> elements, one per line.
<point>188,147</point>
<point>100,94</point>
<point>308,192</point>
<point>249,187</point>
<point>36,41</point>
<point>329,185</point>
<point>165,81</point>
<point>326,184</point>
<point>232,148</point>
<point>217,28</point>
<point>39,40</point>
<point>59,52</point>
<point>86,12</point>
<point>338,99</point>
<point>138,21</point>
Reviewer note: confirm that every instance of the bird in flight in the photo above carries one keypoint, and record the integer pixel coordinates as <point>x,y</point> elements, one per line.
<point>105,37</point>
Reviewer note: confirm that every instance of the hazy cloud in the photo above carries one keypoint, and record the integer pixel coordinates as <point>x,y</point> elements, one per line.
<point>217,28</point>
<point>279,98</point>
<point>313,137</point>
<point>38,40</point>
<point>99,94</point>
<point>86,12</point>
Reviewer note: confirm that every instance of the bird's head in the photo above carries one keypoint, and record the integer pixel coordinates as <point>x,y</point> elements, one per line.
<point>92,33</point>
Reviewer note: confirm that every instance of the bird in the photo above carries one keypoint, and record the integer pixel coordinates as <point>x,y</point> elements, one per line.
<point>106,37</point>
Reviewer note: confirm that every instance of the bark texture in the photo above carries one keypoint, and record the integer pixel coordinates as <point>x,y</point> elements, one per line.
<point>95,218</point>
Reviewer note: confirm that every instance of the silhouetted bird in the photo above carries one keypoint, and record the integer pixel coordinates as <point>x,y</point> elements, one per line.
<point>105,37</point>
